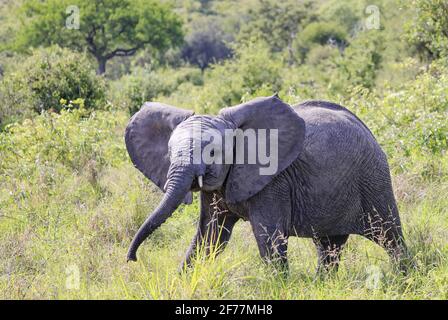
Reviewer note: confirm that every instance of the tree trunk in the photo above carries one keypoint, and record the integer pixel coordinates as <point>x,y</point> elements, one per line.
<point>101,65</point>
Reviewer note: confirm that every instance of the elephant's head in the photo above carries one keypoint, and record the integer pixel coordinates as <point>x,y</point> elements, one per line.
<point>182,152</point>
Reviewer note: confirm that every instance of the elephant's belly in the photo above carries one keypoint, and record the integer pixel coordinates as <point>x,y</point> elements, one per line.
<point>332,211</point>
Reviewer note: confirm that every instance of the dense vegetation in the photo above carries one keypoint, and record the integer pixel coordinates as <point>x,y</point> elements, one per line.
<point>70,200</point>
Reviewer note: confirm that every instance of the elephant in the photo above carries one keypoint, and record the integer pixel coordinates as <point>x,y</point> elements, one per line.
<point>331,180</point>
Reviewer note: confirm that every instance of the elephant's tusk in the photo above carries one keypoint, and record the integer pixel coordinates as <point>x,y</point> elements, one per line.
<point>165,186</point>
<point>200,181</point>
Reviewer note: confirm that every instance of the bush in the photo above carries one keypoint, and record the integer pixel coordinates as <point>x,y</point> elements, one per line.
<point>68,140</point>
<point>427,31</point>
<point>362,59</point>
<point>131,91</point>
<point>223,84</point>
<point>344,13</point>
<point>410,122</point>
<point>324,33</point>
<point>318,54</point>
<point>254,69</point>
<point>50,79</point>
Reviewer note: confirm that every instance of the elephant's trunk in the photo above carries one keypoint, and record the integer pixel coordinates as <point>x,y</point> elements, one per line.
<point>177,187</point>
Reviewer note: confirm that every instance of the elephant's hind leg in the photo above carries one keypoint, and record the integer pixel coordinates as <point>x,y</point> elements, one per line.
<point>380,214</point>
<point>329,252</point>
<point>388,235</point>
<point>383,226</point>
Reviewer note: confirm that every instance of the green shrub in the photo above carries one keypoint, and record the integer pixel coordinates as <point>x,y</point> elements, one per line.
<point>320,53</point>
<point>131,91</point>
<point>323,32</point>
<point>344,13</point>
<point>276,22</point>
<point>253,68</point>
<point>427,31</point>
<point>409,121</point>
<point>68,140</point>
<point>53,79</point>
<point>362,59</point>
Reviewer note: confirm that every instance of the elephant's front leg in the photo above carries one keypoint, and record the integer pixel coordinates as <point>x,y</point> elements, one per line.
<point>270,227</point>
<point>214,229</point>
<point>273,244</point>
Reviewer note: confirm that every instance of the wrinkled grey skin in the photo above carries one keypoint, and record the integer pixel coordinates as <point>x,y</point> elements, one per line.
<point>333,179</point>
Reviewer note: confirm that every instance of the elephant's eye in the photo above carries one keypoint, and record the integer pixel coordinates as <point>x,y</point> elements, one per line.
<point>212,153</point>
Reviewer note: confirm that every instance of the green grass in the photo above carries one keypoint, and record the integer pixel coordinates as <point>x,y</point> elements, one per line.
<point>70,202</point>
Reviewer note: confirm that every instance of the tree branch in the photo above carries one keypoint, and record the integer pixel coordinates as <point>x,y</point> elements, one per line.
<point>90,41</point>
<point>122,52</point>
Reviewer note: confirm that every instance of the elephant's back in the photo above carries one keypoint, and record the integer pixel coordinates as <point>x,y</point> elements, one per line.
<point>323,113</point>
<point>331,128</point>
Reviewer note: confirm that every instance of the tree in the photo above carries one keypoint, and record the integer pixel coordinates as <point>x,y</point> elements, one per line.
<point>206,44</point>
<point>428,32</point>
<point>277,22</point>
<point>105,28</point>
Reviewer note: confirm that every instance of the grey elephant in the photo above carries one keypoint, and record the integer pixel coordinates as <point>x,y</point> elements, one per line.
<point>331,180</point>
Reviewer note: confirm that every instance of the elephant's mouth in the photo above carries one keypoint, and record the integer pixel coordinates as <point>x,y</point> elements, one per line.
<point>195,185</point>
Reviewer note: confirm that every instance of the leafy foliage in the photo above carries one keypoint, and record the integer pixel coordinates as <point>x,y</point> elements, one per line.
<point>324,33</point>
<point>277,23</point>
<point>106,28</point>
<point>51,79</point>
<point>226,83</point>
<point>133,90</point>
<point>362,59</point>
<point>428,32</point>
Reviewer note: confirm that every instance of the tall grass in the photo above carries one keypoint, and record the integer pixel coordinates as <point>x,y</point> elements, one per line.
<point>70,202</point>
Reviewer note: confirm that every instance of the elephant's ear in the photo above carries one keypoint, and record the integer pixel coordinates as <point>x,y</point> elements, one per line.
<point>269,113</point>
<point>147,136</point>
